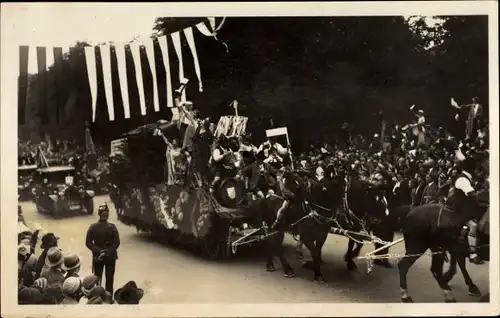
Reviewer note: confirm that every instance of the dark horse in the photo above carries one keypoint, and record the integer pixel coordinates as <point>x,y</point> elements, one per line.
<point>439,229</point>
<point>368,210</point>
<point>309,215</point>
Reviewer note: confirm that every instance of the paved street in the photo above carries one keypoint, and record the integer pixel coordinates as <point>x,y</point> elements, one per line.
<point>172,275</point>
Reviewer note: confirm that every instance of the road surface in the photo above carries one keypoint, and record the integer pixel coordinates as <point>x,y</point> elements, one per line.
<point>172,275</point>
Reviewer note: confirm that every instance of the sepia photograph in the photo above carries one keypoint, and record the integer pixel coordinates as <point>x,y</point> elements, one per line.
<point>249,155</point>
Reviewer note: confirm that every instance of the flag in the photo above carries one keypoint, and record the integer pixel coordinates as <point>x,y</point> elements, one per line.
<point>92,74</point>
<point>41,161</point>
<point>89,143</point>
<point>454,103</point>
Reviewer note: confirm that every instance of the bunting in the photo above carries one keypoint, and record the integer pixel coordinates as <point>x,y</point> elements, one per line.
<point>119,78</point>
<point>108,84</point>
<point>151,58</point>
<point>176,39</point>
<point>166,62</point>
<point>92,74</point>
<point>122,75</point>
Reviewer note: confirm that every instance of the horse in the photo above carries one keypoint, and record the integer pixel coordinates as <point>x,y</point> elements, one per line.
<point>367,210</point>
<point>437,228</point>
<point>310,214</point>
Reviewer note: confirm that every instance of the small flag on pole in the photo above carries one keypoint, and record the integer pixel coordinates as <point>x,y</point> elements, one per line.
<point>454,103</point>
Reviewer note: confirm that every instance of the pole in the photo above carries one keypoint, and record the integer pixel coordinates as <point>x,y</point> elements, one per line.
<point>289,151</point>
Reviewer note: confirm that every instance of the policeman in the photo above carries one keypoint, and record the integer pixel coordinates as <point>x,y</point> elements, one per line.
<point>103,240</point>
<point>464,197</point>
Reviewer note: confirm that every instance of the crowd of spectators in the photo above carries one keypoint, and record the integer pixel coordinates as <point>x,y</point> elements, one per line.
<point>55,277</point>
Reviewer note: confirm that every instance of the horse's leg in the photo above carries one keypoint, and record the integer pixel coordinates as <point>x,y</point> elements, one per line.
<point>270,253</point>
<point>298,249</point>
<point>385,233</point>
<point>414,248</point>
<point>452,269</point>
<point>460,259</point>
<point>320,241</point>
<point>351,265</point>
<point>309,243</point>
<point>348,255</point>
<point>437,271</point>
<point>278,247</point>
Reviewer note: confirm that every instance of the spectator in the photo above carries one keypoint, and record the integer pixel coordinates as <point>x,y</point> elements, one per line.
<point>88,283</point>
<point>129,294</point>
<point>29,296</point>
<point>49,240</point>
<point>71,289</point>
<point>53,262</point>
<point>71,265</point>
<point>26,265</point>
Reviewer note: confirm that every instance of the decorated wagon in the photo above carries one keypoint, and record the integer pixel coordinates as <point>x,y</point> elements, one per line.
<point>216,222</point>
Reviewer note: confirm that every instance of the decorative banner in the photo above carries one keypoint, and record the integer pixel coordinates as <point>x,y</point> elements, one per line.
<point>136,54</point>
<point>122,74</point>
<point>166,62</point>
<point>202,27</point>
<point>150,51</point>
<point>92,73</point>
<point>108,82</point>
<point>176,39</point>
<point>190,39</point>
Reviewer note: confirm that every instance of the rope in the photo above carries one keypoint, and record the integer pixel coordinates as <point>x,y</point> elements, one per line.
<point>401,256</point>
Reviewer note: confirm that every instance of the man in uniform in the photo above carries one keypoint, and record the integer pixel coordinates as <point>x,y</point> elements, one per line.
<point>103,240</point>
<point>286,193</point>
<point>463,199</point>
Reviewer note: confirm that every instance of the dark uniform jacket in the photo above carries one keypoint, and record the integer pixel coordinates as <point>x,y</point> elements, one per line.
<point>103,235</point>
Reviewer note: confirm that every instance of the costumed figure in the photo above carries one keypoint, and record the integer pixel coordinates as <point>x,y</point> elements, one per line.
<point>462,198</point>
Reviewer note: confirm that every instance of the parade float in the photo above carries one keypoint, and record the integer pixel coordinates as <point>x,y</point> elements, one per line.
<point>218,223</point>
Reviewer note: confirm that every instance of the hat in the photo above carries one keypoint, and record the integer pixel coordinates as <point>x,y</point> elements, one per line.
<point>71,261</point>
<point>420,111</point>
<point>71,285</point>
<point>129,294</point>
<point>54,257</point>
<point>40,283</point>
<point>102,208</point>
<point>48,240</point>
<point>95,301</point>
<point>96,291</point>
<point>23,249</point>
<point>29,296</point>
<point>88,283</point>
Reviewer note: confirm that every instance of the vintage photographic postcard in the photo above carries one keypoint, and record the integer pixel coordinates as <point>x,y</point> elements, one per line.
<point>249,159</point>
